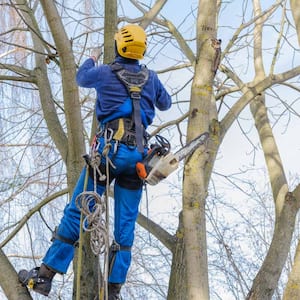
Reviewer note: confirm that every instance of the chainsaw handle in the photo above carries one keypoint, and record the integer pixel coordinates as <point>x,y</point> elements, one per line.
<point>164,143</point>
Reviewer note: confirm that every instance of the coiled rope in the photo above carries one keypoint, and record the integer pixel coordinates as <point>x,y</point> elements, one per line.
<point>93,208</point>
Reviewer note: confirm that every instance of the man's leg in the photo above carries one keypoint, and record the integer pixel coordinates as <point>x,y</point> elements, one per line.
<point>61,252</point>
<point>126,212</point>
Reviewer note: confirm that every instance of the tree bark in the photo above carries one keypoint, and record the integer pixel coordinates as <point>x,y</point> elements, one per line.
<point>296,16</point>
<point>72,109</point>
<point>292,289</point>
<point>194,185</point>
<point>266,280</point>
<point>49,111</point>
<point>110,28</point>
<point>177,283</point>
<point>9,282</point>
<point>286,206</point>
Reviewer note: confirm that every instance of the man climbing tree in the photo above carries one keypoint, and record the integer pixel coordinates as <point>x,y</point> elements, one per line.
<point>127,94</point>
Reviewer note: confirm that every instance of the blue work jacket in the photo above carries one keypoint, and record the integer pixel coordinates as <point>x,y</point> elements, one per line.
<point>112,96</point>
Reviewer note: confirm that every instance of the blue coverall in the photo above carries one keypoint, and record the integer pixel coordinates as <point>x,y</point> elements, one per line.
<point>112,102</point>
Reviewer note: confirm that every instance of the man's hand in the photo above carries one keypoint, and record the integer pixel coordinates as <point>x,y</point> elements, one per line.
<point>96,53</point>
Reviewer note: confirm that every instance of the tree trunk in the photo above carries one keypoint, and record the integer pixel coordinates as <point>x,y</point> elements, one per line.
<point>89,277</point>
<point>286,207</point>
<point>110,28</point>
<point>194,185</point>
<point>9,282</point>
<point>292,290</point>
<point>267,278</point>
<point>296,16</point>
<point>177,282</point>
<point>76,147</point>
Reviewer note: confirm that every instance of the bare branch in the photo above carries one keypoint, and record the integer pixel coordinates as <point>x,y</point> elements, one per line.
<point>23,221</point>
<point>19,79</point>
<point>152,13</point>
<point>252,92</point>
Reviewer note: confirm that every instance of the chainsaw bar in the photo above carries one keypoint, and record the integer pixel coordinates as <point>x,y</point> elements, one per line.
<point>190,147</point>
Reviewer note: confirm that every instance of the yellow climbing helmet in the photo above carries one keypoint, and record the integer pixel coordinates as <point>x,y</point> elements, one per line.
<point>131,41</point>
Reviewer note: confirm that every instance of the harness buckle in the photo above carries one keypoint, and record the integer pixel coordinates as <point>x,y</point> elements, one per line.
<point>135,95</point>
<point>115,247</point>
<point>135,92</point>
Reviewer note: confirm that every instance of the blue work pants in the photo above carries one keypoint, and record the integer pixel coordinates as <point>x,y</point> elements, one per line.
<point>127,196</point>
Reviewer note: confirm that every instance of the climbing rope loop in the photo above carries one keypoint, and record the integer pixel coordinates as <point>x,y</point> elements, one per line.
<point>93,208</point>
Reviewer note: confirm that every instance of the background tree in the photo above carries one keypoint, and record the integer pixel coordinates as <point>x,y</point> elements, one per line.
<point>46,124</point>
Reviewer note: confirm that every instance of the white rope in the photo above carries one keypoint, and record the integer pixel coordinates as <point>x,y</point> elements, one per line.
<point>93,208</point>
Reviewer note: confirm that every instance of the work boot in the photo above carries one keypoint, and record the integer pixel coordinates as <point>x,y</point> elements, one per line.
<point>39,279</point>
<point>114,291</point>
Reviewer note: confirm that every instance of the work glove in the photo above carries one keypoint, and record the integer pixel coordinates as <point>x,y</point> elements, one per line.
<point>96,53</point>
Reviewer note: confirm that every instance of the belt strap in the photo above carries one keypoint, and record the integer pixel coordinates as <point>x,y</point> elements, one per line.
<point>115,247</point>
<point>135,94</point>
<point>56,236</point>
<point>126,131</point>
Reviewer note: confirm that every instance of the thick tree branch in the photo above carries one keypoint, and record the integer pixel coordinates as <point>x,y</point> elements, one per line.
<point>18,79</point>
<point>152,13</point>
<point>292,290</point>
<point>11,287</point>
<point>162,235</point>
<point>16,69</point>
<point>251,93</point>
<point>53,124</point>
<point>173,30</point>
<point>267,278</point>
<point>181,42</point>
<point>76,147</point>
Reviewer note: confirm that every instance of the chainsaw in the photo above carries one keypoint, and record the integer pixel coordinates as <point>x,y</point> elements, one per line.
<point>160,162</point>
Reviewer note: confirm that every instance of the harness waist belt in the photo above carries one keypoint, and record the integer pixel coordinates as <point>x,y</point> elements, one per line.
<point>124,131</point>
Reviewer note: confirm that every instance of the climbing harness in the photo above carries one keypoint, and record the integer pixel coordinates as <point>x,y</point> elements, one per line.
<point>134,83</point>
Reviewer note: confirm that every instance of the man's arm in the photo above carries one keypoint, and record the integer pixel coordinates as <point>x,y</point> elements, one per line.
<point>87,74</point>
<point>163,99</point>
